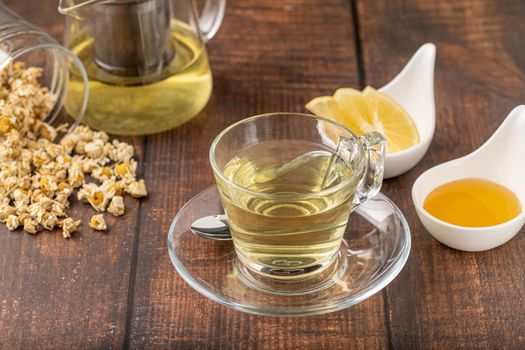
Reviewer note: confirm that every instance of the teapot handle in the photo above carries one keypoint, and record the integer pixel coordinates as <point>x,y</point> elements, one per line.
<point>211,18</point>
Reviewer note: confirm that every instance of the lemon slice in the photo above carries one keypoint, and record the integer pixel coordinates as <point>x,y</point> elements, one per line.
<point>369,110</point>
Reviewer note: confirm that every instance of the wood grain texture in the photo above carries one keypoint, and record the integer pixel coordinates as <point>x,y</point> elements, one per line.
<point>119,289</point>
<point>57,293</point>
<point>445,298</point>
<point>268,56</point>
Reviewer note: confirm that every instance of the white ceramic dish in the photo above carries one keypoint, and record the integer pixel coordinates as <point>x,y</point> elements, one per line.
<point>502,160</point>
<point>413,88</point>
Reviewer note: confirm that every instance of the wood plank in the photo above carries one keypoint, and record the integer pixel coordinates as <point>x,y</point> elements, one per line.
<point>42,15</point>
<point>57,293</point>
<point>445,298</point>
<point>268,56</point>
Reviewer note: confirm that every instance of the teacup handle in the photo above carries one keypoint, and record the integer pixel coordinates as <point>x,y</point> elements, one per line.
<point>374,145</point>
<point>211,18</point>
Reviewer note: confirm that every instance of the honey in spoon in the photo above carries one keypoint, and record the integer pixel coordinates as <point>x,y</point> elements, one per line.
<point>472,203</point>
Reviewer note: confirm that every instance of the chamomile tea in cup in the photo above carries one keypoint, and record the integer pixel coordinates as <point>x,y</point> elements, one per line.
<point>288,183</point>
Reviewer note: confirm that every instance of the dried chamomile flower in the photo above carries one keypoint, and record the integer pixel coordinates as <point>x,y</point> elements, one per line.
<point>37,211</point>
<point>48,185</point>
<point>24,183</point>
<point>48,132</point>
<point>101,135</point>
<point>137,189</point>
<point>22,216</point>
<point>89,165</point>
<point>94,149</point>
<point>6,124</point>
<point>62,193</point>
<point>38,196</point>
<point>12,222</point>
<point>85,192</point>
<point>54,150</point>
<point>102,173</point>
<point>61,175</point>
<point>69,142</point>
<point>121,152</point>
<point>19,194</point>
<point>5,211</point>
<point>97,196</point>
<point>49,221</point>
<point>69,226</point>
<point>75,176</point>
<point>126,169</point>
<point>63,199</point>
<point>21,207</point>
<point>59,209</point>
<point>11,182</point>
<point>64,187</point>
<point>116,206</point>
<point>80,147</point>
<point>116,186</point>
<point>84,132</point>
<point>31,225</point>
<point>98,200</point>
<point>40,157</point>
<point>63,161</point>
<point>40,170</point>
<point>108,188</point>
<point>98,222</point>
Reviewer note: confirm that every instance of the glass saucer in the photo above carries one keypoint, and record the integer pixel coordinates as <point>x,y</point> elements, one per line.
<point>375,248</point>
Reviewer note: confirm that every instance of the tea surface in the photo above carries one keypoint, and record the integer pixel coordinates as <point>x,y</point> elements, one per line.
<point>286,224</point>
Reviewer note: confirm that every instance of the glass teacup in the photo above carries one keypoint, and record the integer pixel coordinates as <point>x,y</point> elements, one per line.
<point>288,183</point>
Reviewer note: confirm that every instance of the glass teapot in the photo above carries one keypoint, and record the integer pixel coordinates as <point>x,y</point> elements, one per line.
<point>146,61</point>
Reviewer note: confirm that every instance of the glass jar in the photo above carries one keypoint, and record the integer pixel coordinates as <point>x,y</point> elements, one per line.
<point>21,41</point>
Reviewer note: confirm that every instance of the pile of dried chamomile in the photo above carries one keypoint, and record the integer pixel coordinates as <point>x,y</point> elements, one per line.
<point>41,166</point>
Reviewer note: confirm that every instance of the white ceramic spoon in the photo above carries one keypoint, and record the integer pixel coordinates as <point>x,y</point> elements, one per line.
<point>502,160</point>
<point>413,89</point>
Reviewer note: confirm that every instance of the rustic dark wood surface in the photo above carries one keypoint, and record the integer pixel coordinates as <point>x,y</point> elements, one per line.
<point>119,289</point>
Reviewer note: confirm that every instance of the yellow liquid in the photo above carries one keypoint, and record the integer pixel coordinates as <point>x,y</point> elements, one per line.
<point>131,105</point>
<point>286,233</point>
<point>472,203</point>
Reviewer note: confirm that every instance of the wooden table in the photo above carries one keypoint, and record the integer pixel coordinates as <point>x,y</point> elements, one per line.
<point>120,290</point>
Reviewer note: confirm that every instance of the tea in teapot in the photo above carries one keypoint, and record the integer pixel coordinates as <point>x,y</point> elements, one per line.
<point>146,61</point>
